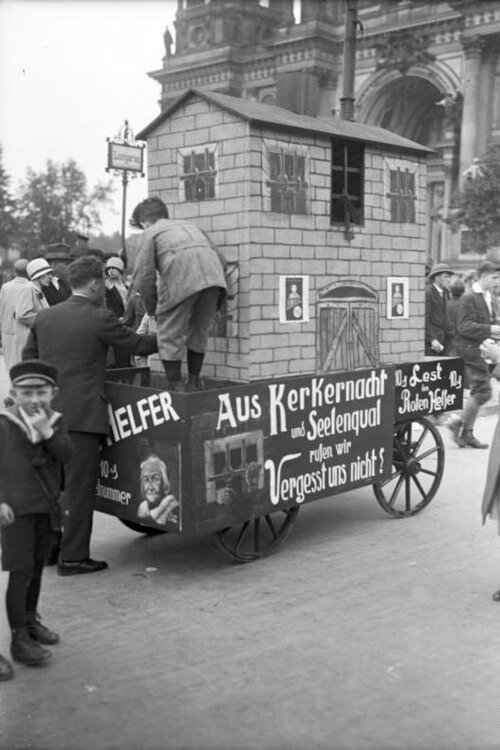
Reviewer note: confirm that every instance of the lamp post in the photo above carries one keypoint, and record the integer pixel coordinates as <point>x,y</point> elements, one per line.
<point>125,158</point>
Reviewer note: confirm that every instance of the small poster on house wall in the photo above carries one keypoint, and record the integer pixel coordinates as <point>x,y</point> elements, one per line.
<point>397,297</point>
<point>294,299</point>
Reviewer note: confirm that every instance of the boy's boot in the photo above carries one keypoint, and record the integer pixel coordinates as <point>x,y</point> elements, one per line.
<point>39,632</point>
<point>193,383</point>
<point>25,650</point>
<point>6,671</point>
<point>173,373</point>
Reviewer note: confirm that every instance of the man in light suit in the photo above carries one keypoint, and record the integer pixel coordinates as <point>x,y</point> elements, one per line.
<point>74,336</point>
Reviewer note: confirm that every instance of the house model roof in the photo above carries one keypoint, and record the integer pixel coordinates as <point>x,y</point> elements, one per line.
<point>268,114</point>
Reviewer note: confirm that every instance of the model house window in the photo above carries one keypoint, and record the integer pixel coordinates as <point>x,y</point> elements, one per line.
<point>400,190</point>
<point>347,183</point>
<point>402,195</point>
<point>286,179</point>
<point>197,173</point>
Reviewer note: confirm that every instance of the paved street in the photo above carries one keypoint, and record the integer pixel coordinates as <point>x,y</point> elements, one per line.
<point>361,633</point>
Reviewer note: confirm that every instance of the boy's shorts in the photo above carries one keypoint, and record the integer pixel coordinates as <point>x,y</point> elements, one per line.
<point>28,539</point>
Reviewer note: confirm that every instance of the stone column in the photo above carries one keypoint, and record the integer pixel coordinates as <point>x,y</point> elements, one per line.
<point>473,48</point>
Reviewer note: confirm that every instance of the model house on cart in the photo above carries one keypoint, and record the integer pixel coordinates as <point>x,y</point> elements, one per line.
<point>323,222</point>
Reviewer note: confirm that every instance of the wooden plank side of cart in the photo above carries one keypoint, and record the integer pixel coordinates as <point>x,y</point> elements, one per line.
<point>234,453</point>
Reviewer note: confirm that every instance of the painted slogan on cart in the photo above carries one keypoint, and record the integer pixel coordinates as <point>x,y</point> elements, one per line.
<point>319,436</point>
<point>140,465</point>
<point>428,387</point>
<point>201,460</point>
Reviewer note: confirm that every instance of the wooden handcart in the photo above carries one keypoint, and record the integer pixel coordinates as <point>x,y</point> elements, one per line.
<point>240,460</point>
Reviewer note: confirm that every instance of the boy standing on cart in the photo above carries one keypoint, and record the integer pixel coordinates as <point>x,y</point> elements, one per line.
<point>34,445</point>
<point>179,274</point>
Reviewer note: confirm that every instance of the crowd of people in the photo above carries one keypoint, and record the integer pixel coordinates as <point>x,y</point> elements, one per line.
<point>57,352</point>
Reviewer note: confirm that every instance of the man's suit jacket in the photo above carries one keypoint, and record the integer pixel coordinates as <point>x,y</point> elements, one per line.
<point>74,337</point>
<point>436,323</point>
<point>473,326</point>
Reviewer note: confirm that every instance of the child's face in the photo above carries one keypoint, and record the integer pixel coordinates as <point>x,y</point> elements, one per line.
<point>33,398</point>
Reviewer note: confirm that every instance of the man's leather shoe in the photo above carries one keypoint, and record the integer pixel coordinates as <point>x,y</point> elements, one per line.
<point>6,671</point>
<point>468,440</point>
<point>77,567</point>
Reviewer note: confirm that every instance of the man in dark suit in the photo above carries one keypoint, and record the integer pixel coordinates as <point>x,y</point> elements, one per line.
<point>475,323</point>
<point>437,335</point>
<point>74,336</point>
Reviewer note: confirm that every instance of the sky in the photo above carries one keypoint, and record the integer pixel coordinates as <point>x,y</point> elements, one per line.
<point>71,73</point>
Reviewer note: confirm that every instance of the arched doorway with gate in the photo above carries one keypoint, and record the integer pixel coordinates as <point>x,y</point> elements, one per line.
<point>348,326</point>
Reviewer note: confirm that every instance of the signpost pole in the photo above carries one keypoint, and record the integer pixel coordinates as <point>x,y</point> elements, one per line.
<point>125,157</point>
<point>124,208</point>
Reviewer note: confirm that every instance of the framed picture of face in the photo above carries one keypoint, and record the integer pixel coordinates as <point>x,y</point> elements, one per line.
<point>397,297</point>
<point>294,299</point>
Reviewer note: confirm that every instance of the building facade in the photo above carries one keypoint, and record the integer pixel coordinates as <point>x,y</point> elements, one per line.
<point>429,71</point>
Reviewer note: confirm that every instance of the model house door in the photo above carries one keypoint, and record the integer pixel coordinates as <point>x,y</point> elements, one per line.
<point>348,331</point>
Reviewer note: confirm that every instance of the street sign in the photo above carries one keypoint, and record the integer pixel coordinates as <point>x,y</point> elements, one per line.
<point>123,156</point>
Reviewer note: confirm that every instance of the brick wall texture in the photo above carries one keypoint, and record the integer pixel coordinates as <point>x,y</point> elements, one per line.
<point>267,245</point>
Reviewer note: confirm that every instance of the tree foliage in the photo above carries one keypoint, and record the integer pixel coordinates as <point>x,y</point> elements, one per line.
<point>480,202</point>
<point>8,223</point>
<point>54,204</point>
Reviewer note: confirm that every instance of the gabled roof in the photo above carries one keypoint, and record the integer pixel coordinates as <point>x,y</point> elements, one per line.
<point>278,117</point>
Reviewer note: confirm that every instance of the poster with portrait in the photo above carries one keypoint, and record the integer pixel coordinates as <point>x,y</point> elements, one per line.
<point>294,299</point>
<point>397,297</point>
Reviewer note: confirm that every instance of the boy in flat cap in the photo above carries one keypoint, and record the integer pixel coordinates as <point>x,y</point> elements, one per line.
<point>34,445</point>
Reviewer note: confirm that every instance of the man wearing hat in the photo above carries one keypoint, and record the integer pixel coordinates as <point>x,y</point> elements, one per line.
<point>14,335</point>
<point>437,296</point>
<point>476,321</point>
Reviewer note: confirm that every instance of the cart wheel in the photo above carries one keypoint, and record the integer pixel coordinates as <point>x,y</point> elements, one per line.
<point>258,537</point>
<point>417,469</point>
<point>141,529</point>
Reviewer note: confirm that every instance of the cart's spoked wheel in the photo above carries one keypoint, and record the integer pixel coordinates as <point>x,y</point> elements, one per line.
<point>142,529</point>
<point>417,469</point>
<point>257,537</point>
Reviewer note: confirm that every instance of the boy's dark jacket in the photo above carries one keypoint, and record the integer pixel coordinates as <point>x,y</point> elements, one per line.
<point>31,474</point>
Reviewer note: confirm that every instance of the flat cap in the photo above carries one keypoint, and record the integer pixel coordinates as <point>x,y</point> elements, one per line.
<point>33,372</point>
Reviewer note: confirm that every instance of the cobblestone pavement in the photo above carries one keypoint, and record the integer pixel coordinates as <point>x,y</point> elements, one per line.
<point>361,633</point>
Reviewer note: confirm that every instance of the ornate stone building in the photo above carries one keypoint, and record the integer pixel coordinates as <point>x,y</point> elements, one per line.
<point>429,71</point>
